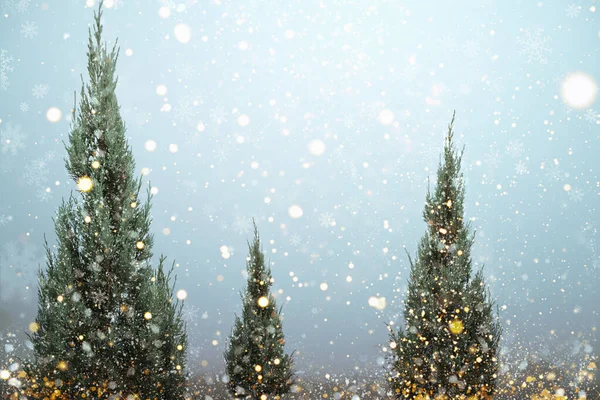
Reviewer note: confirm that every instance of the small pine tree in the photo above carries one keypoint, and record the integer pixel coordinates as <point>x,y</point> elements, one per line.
<point>449,345</point>
<point>105,320</point>
<point>257,366</point>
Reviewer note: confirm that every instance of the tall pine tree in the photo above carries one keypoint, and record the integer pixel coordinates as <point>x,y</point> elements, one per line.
<point>448,347</point>
<point>257,365</point>
<point>107,324</point>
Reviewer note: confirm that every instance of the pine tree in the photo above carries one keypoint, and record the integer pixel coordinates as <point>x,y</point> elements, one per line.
<point>448,347</point>
<point>105,319</point>
<point>257,366</point>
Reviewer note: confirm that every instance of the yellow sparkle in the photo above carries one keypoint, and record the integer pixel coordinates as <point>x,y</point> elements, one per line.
<point>460,252</point>
<point>87,219</point>
<point>456,326</point>
<point>178,367</point>
<point>257,368</point>
<point>140,245</point>
<point>62,365</point>
<point>466,309</point>
<point>34,327</point>
<point>85,184</point>
<point>179,347</point>
<point>263,397</point>
<point>4,374</point>
<point>443,231</point>
<point>263,302</point>
<point>60,298</point>
<point>148,315</point>
<point>276,361</point>
<point>449,203</point>
<point>133,204</point>
<point>95,164</point>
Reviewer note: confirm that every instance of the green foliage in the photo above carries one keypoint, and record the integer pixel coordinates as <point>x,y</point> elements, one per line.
<point>106,322</point>
<point>449,343</point>
<point>256,362</point>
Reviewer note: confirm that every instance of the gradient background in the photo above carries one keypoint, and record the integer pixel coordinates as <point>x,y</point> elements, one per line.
<point>304,70</point>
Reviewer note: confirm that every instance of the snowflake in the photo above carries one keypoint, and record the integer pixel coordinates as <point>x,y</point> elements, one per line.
<point>493,159</point>
<point>24,106</point>
<point>408,74</point>
<point>471,48</point>
<point>591,116</point>
<point>326,220</point>
<point>218,115</point>
<point>36,172</point>
<point>353,205</point>
<point>188,109</point>
<point>19,265</point>
<point>208,210</point>
<point>29,29</point>
<point>575,195</point>
<point>348,121</point>
<point>573,10</point>
<point>99,298</point>
<point>521,168</point>
<point>190,314</point>
<point>39,91</point>
<point>22,5</point>
<point>241,225</point>
<point>295,240</point>
<point>515,148</point>
<point>5,219</point>
<point>554,172</point>
<point>448,42</point>
<point>220,153</point>
<point>315,310</point>
<point>44,194</point>
<point>11,139</point>
<point>186,71</point>
<point>5,68</point>
<point>535,45</point>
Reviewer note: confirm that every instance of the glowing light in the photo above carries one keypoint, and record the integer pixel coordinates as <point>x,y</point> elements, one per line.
<point>276,361</point>
<point>295,211</point>
<point>85,184</point>
<point>324,286</point>
<point>243,120</point>
<point>263,302</point>
<point>53,114</point>
<point>60,298</point>
<point>140,245</point>
<point>164,12</point>
<point>34,327</point>
<point>4,374</point>
<point>181,294</point>
<point>182,33</point>
<point>173,148</point>
<point>148,315</point>
<point>386,117</point>
<point>62,365</point>
<point>150,145</point>
<point>316,147</point>
<point>378,303</point>
<point>567,187</point>
<point>161,90</point>
<point>456,326</point>
<point>129,52</point>
<point>257,368</point>
<point>243,45</point>
<point>579,90</point>
<point>95,164</point>
<point>393,345</point>
<point>87,219</point>
<point>133,204</point>
<point>179,347</point>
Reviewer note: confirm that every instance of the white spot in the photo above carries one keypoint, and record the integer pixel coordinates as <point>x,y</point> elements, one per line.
<point>243,45</point>
<point>316,147</point>
<point>129,52</point>
<point>377,302</point>
<point>164,12</point>
<point>182,33</point>
<point>154,190</point>
<point>243,120</point>
<point>173,148</point>
<point>289,34</point>
<point>200,127</point>
<point>150,145</point>
<point>161,90</point>
<point>324,286</point>
<point>181,294</point>
<point>579,90</point>
<point>386,117</point>
<point>295,211</point>
<point>53,114</point>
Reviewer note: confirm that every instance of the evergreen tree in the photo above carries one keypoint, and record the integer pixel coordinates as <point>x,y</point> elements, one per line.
<point>105,321</point>
<point>448,347</point>
<point>257,366</point>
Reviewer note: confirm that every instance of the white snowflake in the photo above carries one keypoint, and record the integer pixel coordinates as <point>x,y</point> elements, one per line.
<point>553,171</point>
<point>187,110</point>
<point>22,5</point>
<point>220,153</point>
<point>99,298</point>
<point>448,42</point>
<point>471,48</point>
<point>535,45</point>
<point>24,106</point>
<point>18,265</point>
<point>5,219</point>
<point>326,220</point>
<point>515,148</point>
<point>353,205</point>
<point>44,195</point>
<point>208,210</point>
<point>592,116</point>
<point>5,68</point>
<point>575,195</point>
<point>295,240</point>
<point>40,90</point>
<point>348,121</point>
<point>572,10</point>
<point>190,314</point>
<point>493,159</point>
<point>241,225</point>
<point>218,115</point>
<point>29,29</point>
<point>521,168</point>
<point>11,138</point>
